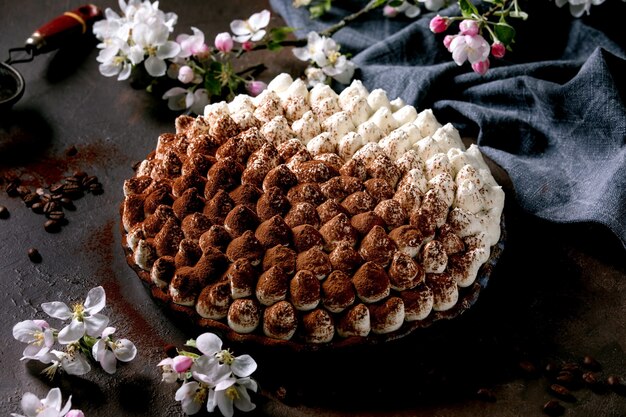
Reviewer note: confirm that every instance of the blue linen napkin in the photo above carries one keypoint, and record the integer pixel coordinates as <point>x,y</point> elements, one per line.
<point>552,113</point>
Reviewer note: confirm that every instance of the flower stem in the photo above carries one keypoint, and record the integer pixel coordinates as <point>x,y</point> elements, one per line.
<point>373,4</point>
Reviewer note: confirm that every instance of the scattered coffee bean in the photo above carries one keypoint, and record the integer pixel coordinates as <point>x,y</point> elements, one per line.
<point>485,394</point>
<point>571,367</point>
<point>528,368</point>
<point>79,175</point>
<point>96,189</point>
<point>565,378</point>
<point>613,381</point>
<point>37,207</point>
<point>67,203</point>
<point>553,408</point>
<point>52,226</point>
<point>56,215</point>
<point>87,181</point>
<point>56,188</point>
<point>4,212</point>
<point>71,151</point>
<point>30,199</point>
<point>72,190</point>
<point>590,378</point>
<point>11,188</point>
<point>50,206</point>
<point>552,368</point>
<point>591,363</point>
<point>34,255</point>
<point>562,392</point>
<point>22,190</point>
<point>56,197</point>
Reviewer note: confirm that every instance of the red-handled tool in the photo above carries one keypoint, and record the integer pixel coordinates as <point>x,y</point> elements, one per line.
<point>60,31</point>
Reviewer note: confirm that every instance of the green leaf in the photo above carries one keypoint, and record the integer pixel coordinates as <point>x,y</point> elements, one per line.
<point>279,34</point>
<point>381,2</point>
<point>395,3</point>
<point>505,33</point>
<point>467,8</point>
<point>212,81</point>
<point>318,10</point>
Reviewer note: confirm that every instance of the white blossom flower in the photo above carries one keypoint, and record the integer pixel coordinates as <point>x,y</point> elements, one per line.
<point>151,41</point>
<point>578,7</point>
<point>167,368</point>
<point>324,52</point>
<point>179,98</point>
<point>235,395</point>
<point>114,59</point>
<point>192,396</point>
<point>251,29</point>
<point>72,362</point>
<point>408,8</point>
<point>50,406</point>
<point>469,48</point>
<point>85,317</point>
<point>211,345</point>
<point>108,351</point>
<point>38,335</point>
<point>192,44</point>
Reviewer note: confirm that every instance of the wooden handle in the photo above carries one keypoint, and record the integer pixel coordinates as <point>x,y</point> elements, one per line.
<point>63,29</point>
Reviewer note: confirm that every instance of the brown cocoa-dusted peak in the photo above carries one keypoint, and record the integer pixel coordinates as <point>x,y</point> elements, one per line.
<point>218,207</point>
<point>302,213</point>
<point>308,192</point>
<point>204,145</point>
<point>345,258</point>
<point>392,213</point>
<point>198,164</point>
<point>408,239</point>
<point>167,240</point>
<point>246,195</point>
<point>445,291</point>
<point>302,155</point>
<point>337,292</point>
<point>329,209</point>
<point>133,211</point>
<point>244,315</point>
<point>210,266</point>
<point>318,326</point>
<point>339,187</point>
<point>223,128</point>
<point>157,220</point>
<point>314,171</point>
<point>273,232</point>
<point>216,237</point>
<point>338,229</point>
<point>434,257</point>
<point>200,126</point>
<point>213,301</point>
<point>382,167</point>
<point>242,277</point>
<point>280,321</point>
<point>404,272</point>
<point>251,139</point>
<point>223,175</point>
<point>364,222</point>
<point>232,148</point>
<point>379,189</point>
<point>418,302</point>
<point>288,149</point>
<point>183,123</point>
<point>245,246</point>
<point>304,290</point>
<point>333,160</point>
<point>185,286</point>
<point>189,202</point>
<point>272,286</point>
<point>280,177</point>
<point>136,185</point>
<point>259,164</point>
<point>240,219</point>
<point>432,213</point>
<point>354,168</point>
<point>358,202</point>
<point>315,261</point>
<point>188,181</point>
<point>355,322</point>
<point>162,271</point>
<point>377,247</point>
<point>387,316</point>
<point>282,257</point>
<point>272,202</point>
<point>160,195</point>
<point>450,241</point>
<point>305,237</point>
<point>170,163</point>
<point>371,282</point>
<point>188,254</point>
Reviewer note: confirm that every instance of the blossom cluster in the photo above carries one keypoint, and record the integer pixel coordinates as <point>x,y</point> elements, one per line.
<point>214,376</point>
<point>86,337</point>
<point>49,406</point>
<point>325,60</point>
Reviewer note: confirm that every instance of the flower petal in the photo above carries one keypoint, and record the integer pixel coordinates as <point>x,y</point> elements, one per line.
<point>30,403</point>
<point>243,366</point>
<point>96,300</point>
<point>54,399</point>
<point>225,404</point>
<point>77,365</point>
<point>243,402</point>
<point>24,331</point>
<point>71,333</point>
<point>258,35</point>
<point>173,92</point>
<point>125,72</point>
<point>301,53</point>
<point>168,50</point>
<point>108,361</point>
<point>95,324</point>
<point>239,27</point>
<point>260,20</point>
<point>49,412</point>
<point>108,332</point>
<point>57,309</point>
<point>125,350</point>
<point>209,343</point>
<point>155,66</point>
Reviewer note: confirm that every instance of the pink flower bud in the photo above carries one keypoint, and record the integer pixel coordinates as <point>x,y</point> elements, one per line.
<point>185,74</point>
<point>247,46</point>
<point>481,67</point>
<point>224,42</point>
<point>42,324</point>
<point>75,413</point>
<point>439,24</point>
<point>448,40</point>
<point>497,49</point>
<point>468,27</point>
<point>255,87</point>
<point>389,11</point>
<point>181,363</point>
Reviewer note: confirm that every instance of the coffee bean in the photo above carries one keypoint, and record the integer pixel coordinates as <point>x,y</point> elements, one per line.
<point>565,378</point>
<point>52,226</point>
<point>552,368</point>
<point>528,368</point>
<point>590,378</point>
<point>553,408</point>
<point>562,392</point>
<point>37,207</point>
<point>72,190</point>
<point>67,203</point>
<point>614,382</point>
<point>11,188</point>
<point>96,189</point>
<point>22,190</point>
<point>485,394</point>
<point>56,197</point>
<point>79,174</point>
<point>34,255</point>
<point>30,199</point>
<point>591,363</point>
<point>56,215</point>
<point>4,212</point>
<point>571,367</point>
<point>50,206</point>
<point>87,181</point>
<point>56,188</point>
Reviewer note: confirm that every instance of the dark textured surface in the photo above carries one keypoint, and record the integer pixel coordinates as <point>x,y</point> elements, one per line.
<point>558,293</point>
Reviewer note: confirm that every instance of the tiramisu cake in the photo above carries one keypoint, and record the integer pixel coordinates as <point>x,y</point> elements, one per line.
<point>309,218</point>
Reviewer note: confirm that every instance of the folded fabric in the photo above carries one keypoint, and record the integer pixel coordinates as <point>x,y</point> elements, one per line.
<point>552,113</point>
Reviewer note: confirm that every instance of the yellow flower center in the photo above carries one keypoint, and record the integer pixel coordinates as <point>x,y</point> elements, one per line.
<point>201,394</point>
<point>79,311</point>
<point>39,338</point>
<point>333,57</point>
<point>225,357</point>
<point>151,50</point>
<point>232,393</point>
